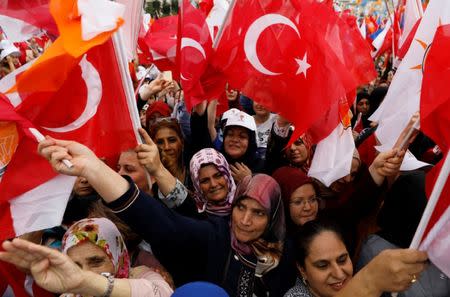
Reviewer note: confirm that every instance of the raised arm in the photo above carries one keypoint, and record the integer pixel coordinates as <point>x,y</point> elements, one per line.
<point>57,273</point>
<point>390,271</point>
<point>108,183</point>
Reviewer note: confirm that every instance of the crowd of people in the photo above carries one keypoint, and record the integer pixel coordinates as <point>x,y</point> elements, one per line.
<point>226,199</point>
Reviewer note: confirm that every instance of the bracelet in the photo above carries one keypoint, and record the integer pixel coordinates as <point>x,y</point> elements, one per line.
<point>110,287</point>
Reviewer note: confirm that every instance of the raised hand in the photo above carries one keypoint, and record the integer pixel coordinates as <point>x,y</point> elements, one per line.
<point>239,171</point>
<point>396,270</point>
<point>148,153</point>
<point>55,151</point>
<point>51,269</point>
<point>386,164</point>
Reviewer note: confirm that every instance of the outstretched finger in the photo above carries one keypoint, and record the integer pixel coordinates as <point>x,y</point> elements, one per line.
<point>142,148</point>
<point>145,137</point>
<point>47,142</point>
<point>413,256</point>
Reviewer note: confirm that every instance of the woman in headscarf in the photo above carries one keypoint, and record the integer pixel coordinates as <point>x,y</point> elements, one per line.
<point>94,262</point>
<point>214,187</point>
<point>299,194</point>
<point>303,204</point>
<point>299,154</point>
<point>242,254</point>
<point>156,110</point>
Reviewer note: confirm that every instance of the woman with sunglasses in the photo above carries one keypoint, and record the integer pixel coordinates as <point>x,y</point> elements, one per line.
<point>242,253</point>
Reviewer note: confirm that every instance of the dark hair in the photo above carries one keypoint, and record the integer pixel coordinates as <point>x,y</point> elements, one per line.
<point>308,232</point>
<point>250,154</point>
<point>169,123</point>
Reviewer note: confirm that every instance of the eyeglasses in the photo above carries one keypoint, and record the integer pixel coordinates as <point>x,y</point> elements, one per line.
<point>302,203</point>
<point>161,120</point>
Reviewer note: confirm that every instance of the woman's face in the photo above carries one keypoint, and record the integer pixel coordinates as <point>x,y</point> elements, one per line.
<point>297,154</point>
<point>363,106</point>
<point>328,266</point>
<point>129,165</point>
<point>260,110</point>
<point>236,142</point>
<point>249,220</point>
<point>213,183</point>
<point>303,205</point>
<point>82,187</point>
<point>91,257</point>
<point>341,184</point>
<point>142,118</point>
<point>169,144</point>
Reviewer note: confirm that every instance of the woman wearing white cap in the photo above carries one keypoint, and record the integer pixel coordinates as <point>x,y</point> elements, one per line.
<point>239,145</point>
<point>8,57</point>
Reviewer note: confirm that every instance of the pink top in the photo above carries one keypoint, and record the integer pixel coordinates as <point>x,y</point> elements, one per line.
<point>150,284</point>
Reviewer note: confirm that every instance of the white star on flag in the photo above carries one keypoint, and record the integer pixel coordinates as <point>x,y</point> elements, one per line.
<point>302,65</point>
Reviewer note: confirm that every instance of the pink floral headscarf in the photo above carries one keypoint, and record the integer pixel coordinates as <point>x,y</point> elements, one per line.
<point>104,234</point>
<point>211,156</point>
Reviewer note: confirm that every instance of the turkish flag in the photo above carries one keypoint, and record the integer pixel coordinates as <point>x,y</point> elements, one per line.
<point>195,52</point>
<point>32,12</point>
<point>161,40</point>
<point>13,281</point>
<point>297,58</point>
<point>434,122</point>
<point>90,107</point>
<point>76,90</point>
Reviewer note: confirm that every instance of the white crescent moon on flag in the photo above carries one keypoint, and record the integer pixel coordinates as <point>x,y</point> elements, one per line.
<point>252,36</point>
<point>189,42</point>
<point>185,42</point>
<point>93,82</point>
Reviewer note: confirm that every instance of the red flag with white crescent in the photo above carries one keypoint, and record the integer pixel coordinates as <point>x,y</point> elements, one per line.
<point>298,58</point>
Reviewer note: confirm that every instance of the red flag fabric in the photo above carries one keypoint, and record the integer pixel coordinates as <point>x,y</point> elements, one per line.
<point>13,281</point>
<point>409,39</point>
<point>34,12</point>
<point>435,107</point>
<point>195,51</point>
<point>63,94</point>
<point>206,5</point>
<point>434,121</point>
<point>298,58</point>
<point>161,40</point>
<point>89,107</point>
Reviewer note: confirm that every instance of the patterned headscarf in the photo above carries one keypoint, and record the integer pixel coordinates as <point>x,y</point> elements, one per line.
<point>211,156</point>
<point>104,234</point>
<point>269,247</point>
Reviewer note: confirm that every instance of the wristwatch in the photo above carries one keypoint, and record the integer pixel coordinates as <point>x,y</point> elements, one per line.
<point>110,287</point>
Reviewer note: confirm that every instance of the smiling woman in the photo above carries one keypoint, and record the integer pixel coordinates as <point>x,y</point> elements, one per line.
<point>323,261</point>
<point>214,187</point>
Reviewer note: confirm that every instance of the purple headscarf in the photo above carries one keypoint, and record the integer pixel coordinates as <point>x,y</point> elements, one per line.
<point>269,247</point>
<point>209,156</point>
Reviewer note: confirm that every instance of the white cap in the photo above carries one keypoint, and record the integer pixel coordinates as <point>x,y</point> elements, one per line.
<point>237,117</point>
<point>8,49</point>
<point>141,71</point>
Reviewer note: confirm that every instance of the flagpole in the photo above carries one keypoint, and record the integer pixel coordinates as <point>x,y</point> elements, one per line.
<point>393,33</point>
<point>434,197</point>
<point>119,49</point>
<point>420,10</point>
<point>431,205</point>
<point>220,33</point>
